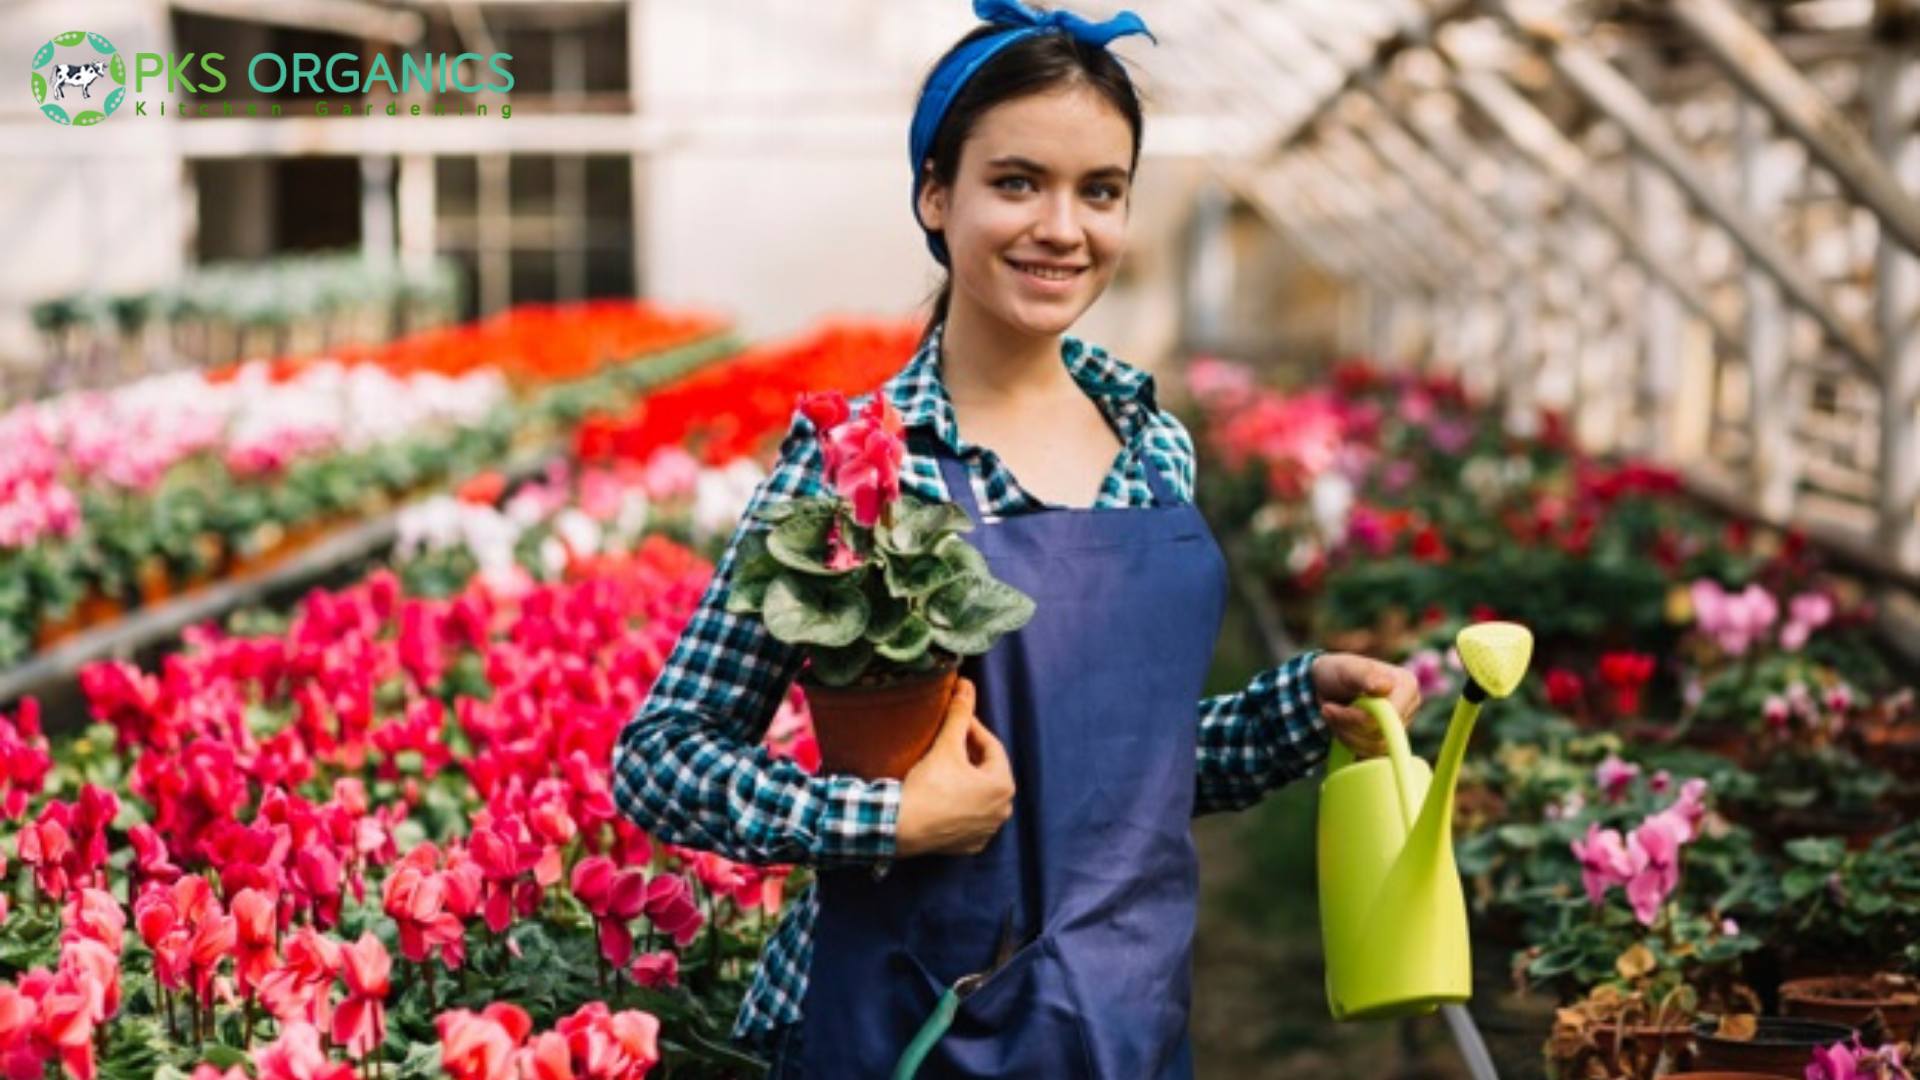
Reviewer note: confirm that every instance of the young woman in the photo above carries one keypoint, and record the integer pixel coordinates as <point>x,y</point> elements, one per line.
<point>1056,801</point>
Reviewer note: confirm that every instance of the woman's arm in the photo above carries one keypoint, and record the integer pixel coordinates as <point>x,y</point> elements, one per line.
<point>1267,735</point>
<point>690,770</point>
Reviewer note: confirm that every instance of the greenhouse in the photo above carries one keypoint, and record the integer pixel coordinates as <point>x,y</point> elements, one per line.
<point>960,538</point>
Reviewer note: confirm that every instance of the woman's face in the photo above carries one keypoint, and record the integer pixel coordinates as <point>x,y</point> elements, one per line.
<point>1036,219</point>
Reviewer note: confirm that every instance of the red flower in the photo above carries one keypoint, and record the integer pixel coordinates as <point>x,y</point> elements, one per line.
<point>254,937</point>
<point>1564,689</point>
<point>657,970</point>
<point>1626,674</point>
<point>361,1022</point>
<point>298,989</point>
<point>298,1055</point>
<point>481,1046</point>
<point>671,906</point>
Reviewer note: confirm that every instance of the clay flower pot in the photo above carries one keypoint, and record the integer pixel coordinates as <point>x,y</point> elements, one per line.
<point>1853,1000</point>
<point>879,731</point>
<point>1782,1046</point>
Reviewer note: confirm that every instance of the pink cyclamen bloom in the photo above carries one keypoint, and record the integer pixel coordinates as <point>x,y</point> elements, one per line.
<point>1430,671</point>
<point>1655,850</point>
<point>670,904</point>
<point>1614,777</point>
<point>360,1024</point>
<point>1604,862</point>
<point>1690,808</point>
<point>298,1055</point>
<point>1805,614</point>
<point>482,1046</point>
<point>671,473</point>
<point>657,970</point>
<point>1776,711</point>
<point>1834,1062</point>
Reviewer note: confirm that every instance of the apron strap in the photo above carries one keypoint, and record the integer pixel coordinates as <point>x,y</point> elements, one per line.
<point>1162,488</point>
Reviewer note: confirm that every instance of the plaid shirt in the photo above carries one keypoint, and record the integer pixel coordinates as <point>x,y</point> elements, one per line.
<point>690,768</point>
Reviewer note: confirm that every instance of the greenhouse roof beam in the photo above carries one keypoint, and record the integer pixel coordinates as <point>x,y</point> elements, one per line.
<point>1894,93</point>
<point>1335,197</point>
<point>1536,137</point>
<point>352,18</point>
<point>1379,202</point>
<point>1751,61</point>
<point>1607,90</point>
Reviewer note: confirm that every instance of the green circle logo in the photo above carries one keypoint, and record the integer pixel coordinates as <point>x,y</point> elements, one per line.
<point>78,92</point>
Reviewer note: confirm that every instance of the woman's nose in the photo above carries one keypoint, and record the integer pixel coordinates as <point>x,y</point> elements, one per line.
<point>1059,221</point>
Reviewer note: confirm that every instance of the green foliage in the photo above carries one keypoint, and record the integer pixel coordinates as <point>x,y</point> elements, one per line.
<point>908,590</point>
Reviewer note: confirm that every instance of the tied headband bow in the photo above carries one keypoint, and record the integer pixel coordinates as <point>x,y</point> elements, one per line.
<point>1017,22</point>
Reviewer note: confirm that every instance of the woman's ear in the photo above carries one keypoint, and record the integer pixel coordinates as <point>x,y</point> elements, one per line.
<point>933,204</point>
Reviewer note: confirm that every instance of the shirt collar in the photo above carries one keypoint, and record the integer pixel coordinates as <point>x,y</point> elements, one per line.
<point>1122,391</point>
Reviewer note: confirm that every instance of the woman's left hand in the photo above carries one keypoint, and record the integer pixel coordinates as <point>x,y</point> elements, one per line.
<point>1338,678</point>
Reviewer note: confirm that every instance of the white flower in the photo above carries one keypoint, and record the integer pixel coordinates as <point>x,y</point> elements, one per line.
<point>1332,498</point>
<point>578,531</point>
<point>720,496</point>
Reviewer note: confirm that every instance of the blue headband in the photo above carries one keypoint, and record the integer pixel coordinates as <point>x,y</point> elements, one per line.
<point>1018,22</point>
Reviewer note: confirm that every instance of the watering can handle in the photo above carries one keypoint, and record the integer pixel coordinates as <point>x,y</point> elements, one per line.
<point>1398,753</point>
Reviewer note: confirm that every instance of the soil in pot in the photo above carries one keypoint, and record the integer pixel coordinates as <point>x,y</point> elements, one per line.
<point>1884,1007</point>
<point>1781,1046</point>
<point>879,730</point>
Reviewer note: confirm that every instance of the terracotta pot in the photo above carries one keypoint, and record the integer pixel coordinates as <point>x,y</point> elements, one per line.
<point>1781,1047</point>
<point>879,732</point>
<point>1853,1000</point>
<point>156,584</point>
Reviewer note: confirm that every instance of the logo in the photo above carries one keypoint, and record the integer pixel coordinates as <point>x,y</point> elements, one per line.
<point>76,93</point>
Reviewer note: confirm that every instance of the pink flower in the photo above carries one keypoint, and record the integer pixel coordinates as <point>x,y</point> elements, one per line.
<point>670,474</point>
<point>1776,711</point>
<point>1604,862</point>
<point>361,1022</point>
<point>657,970</point>
<point>297,1055</point>
<point>1736,622</point>
<point>671,906</point>
<point>863,452</point>
<point>1654,848</point>
<point>481,1046</point>
<point>1614,777</point>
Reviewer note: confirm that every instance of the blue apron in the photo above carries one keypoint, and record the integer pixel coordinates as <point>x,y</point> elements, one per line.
<point>1097,703</point>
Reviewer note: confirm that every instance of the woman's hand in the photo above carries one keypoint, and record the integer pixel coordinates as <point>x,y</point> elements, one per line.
<point>1338,678</point>
<point>956,798</point>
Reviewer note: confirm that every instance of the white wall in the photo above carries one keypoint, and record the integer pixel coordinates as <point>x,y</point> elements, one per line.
<point>68,224</point>
<point>809,215</point>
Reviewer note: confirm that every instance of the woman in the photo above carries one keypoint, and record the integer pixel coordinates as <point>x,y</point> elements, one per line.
<point>1056,801</point>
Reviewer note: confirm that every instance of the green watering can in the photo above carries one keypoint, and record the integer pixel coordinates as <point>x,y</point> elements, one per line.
<point>1393,916</point>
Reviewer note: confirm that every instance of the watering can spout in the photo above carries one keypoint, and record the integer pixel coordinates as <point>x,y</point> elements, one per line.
<point>1393,915</point>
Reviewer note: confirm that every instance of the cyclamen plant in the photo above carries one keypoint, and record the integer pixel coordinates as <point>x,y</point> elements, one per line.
<point>871,581</point>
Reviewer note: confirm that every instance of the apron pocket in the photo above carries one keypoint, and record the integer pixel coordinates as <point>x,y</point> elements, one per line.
<point>1022,1023</point>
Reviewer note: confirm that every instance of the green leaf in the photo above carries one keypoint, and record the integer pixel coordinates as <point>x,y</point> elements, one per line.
<point>1817,851</point>
<point>800,542</point>
<point>44,56</point>
<point>775,513</point>
<point>100,45</point>
<point>917,526</point>
<point>1802,882</point>
<point>71,38</point>
<point>885,612</point>
<point>753,570</point>
<point>803,611</point>
<point>224,1057</point>
<point>969,615</point>
<point>840,667</point>
<point>56,113</point>
<point>118,69</point>
<point>88,118</point>
<point>114,99</point>
<point>954,550</point>
<point>39,89</point>
<point>918,575</point>
<point>908,642</point>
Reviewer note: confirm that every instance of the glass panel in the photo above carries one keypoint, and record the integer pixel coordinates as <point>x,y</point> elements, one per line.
<point>530,183</point>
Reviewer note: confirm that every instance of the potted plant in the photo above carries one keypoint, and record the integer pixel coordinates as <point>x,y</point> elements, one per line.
<point>878,587</point>
<point>1773,1045</point>
<point>1642,971</point>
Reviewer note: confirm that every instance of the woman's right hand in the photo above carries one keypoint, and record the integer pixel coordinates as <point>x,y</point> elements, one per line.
<point>955,799</point>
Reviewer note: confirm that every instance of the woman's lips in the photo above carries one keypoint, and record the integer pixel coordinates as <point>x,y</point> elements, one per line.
<point>1045,277</point>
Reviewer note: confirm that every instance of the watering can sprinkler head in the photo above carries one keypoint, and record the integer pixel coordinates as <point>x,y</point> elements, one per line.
<point>1495,655</point>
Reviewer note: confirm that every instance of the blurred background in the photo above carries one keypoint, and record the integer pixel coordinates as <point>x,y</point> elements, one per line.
<point>1601,314</point>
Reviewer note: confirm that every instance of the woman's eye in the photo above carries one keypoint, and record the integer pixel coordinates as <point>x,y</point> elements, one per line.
<point>1014,183</point>
<point>1107,192</point>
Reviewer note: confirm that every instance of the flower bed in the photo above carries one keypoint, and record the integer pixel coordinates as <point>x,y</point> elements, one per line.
<point>120,498</point>
<point>1681,657</point>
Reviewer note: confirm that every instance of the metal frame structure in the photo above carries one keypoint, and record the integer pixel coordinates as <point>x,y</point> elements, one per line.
<point>1686,237</point>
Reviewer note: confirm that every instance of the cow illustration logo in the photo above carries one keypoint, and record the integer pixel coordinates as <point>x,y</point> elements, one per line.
<point>82,82</point>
